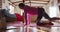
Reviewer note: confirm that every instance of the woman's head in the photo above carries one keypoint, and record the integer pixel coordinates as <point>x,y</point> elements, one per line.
<point>21,5</point>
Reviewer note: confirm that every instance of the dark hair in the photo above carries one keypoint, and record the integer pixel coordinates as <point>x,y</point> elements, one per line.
<point>21,5</point>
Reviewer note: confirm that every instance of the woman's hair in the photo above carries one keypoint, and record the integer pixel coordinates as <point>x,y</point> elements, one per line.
<point>21,5</point>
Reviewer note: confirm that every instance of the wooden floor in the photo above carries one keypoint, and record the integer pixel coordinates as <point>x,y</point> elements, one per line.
<point>19,27</point>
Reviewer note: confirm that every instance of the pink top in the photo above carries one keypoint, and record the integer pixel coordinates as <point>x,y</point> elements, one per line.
<point>31,10</point>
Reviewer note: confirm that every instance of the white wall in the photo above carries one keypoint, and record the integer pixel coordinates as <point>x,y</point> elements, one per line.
<point>5,4</point>
<point>53,8</point>
<point>17,10</point>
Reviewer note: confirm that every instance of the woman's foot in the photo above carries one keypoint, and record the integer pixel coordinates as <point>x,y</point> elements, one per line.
<point>50,23</point>
<point>44,24</point>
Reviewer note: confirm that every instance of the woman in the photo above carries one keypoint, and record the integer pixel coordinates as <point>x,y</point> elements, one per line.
<point>35,11</point>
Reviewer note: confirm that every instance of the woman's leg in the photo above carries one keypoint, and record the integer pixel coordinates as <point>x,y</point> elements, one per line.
<point>47,17</point>
<point>40,14</point>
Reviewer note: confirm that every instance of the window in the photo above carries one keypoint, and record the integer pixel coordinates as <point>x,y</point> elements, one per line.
<point>11,9</point>
<point>22,11</point>
<point>52,11</point>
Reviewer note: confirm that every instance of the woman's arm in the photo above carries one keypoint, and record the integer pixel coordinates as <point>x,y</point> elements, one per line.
<point>25,16</point>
